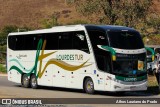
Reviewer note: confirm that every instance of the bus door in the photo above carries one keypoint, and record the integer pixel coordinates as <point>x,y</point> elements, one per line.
<point>98,38</point>
<point>103,74</point>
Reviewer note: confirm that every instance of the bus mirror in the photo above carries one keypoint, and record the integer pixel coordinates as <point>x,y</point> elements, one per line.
<point>152,51</point>
<point>111,50</point>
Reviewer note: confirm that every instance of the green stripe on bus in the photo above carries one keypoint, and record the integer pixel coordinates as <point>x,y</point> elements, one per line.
<point>113,52</point>
<point>131,79</point>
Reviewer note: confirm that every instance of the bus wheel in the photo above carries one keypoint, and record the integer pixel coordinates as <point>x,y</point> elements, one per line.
<point>120,93</point>
<point>89,86</point>
<point>25,81</point>
<point>154,72</point>
<point>33,81</point>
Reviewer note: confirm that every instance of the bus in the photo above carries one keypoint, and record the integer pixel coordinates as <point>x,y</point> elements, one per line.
<point>90,57</point>
<point>152,66</point>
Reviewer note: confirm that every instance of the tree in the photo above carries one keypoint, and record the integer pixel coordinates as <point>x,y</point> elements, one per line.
<point>52,21</point>
<point>154,24</point>
<point>124,12</point>
<point>135,11</point>
<point>8,29</point>
<point>5,31</point>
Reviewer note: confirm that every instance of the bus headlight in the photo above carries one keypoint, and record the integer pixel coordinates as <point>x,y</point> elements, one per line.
<point>116,86</point>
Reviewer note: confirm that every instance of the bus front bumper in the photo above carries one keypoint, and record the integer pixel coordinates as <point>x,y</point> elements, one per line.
<point>129,86</point>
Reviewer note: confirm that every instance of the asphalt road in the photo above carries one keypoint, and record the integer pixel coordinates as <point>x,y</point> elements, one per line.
<point>12,90</point>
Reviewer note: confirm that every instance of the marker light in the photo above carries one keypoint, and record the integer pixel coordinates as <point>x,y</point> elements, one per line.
<point>113,57</point>
<point>153,57</point>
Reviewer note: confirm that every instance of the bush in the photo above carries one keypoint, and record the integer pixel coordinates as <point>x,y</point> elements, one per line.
<point>3,48</point>
<point>3,69</point>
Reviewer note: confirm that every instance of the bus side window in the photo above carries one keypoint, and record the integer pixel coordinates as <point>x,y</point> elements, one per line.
<point>80,42</point>
<point>102,63</point>
<point>12,42</point>
<point>29,42</point>
<point>103,58</point>
<point>19,43</point>
<point>65,40</point>
<point>98,38</point>
<point>52,41</point>
<point>36,39</point>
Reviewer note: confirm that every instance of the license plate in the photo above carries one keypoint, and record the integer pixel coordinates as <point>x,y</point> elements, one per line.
<point>133,87</point>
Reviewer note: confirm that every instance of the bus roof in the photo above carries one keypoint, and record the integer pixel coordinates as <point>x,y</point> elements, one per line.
<point>110,27</point>
<point>74,28</point>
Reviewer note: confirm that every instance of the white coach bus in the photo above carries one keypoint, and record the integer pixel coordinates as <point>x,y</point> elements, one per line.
<point>89,57</point>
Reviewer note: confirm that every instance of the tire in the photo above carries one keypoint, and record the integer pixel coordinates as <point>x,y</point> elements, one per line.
<point>149,71</point>
<point>33,82</point>
<point>25,81</point>
<point>154,72</point>
<point>89,86</point>
<point>120,93</point>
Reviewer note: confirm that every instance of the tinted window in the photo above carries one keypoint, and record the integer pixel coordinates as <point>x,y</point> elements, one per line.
<point>80,42</point>
<point>36,39</point>
<point>19,43</point>
<point>29,42</point>
<point>73,40</point>
<point>65,40</point>
<point>24,42</point>
<point>98,38</point>
<point>125,40</point>
<point>12,42</point>
<point>102,62</point>
<point>52,41</point>
<point>126,68</point>
<point>103,58</point>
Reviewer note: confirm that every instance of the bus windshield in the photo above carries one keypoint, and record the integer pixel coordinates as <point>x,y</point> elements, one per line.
<point>129,67</point>
<point>125,40</point>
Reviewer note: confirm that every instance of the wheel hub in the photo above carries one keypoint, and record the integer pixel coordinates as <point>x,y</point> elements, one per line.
<point>33,82</point>
<point>89,86</point>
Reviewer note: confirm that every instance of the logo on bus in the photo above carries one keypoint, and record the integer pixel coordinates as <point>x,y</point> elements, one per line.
<point>130,79</point>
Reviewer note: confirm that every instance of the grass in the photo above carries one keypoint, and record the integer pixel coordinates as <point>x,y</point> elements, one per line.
<point>3,69</point>
<point>152,85</point>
